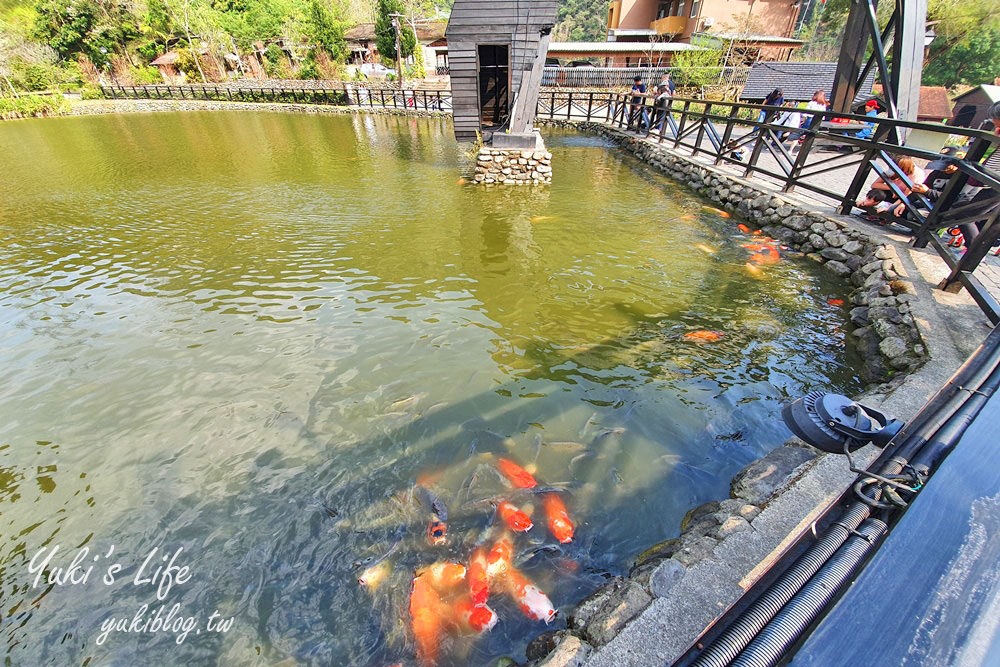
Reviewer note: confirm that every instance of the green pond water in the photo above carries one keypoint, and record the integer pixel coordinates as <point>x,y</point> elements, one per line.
<point>239,339</point>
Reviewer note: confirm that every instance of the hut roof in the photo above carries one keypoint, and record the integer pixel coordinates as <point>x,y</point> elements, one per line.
<point>934,104</point>
<point>992,92</point>
<point>168,58</point>
<point>798,81</point>
<point>426,32</point>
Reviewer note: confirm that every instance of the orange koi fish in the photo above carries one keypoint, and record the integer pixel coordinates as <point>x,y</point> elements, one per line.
<point>533,602</point>
<point>515,519</point>
<point>559,522</point>
<point>767,255</point>
<point>717,211</point>
<point>472,617</point>
<point>702,336</point>
<point>427,614</point>
<point>686,217</point>
<point>476,576</point>
<point>835,302</point>
<point>499,559</point>
<point>516,475</point>
<point>743,228</point>
<point>444,577</point>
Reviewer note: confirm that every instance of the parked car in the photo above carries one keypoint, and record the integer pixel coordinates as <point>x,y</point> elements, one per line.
<point>376,69</point>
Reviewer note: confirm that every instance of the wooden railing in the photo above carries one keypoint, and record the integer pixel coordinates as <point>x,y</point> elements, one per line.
<point>831,163</point>
<point>341,95</point>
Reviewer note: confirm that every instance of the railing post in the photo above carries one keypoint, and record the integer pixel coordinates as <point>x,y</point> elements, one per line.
<point>590,104</point>
<point>727,134</point>
<point>680,128</point>
<point>950,194</point>
<point>974,254</point>
<point>701,129</point>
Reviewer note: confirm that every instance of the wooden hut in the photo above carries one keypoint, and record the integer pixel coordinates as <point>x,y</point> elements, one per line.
<point>496,52</point>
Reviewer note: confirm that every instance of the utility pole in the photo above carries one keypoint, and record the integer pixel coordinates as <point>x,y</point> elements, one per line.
<point>399,59</point>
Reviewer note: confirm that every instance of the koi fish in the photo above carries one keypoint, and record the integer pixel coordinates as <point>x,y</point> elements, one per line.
<point>702,336</point>
<point>717,211</point>
<point>462,181</point>
<point>754,270</point>
<point>515,519</point>
<point>708,250</point>
<point>432,502</point>
<point>743,228</point>
<point>767,255</point>
<point>472,617</point>
<point>437,533</point>
<point>373,576</point>
<point>686,217</point>
<point>515,474</point>
<point>443,576</point>
<point>542,218</point>
<point>427,614</point>
<point>559,522</point>
<point>499,559</point>
<point>835,302</point>
<point>476,576</point>
<point>533,602</point>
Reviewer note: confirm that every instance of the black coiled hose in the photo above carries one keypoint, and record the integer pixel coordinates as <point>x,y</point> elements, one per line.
<point>778,636</point>
<point>742,631</point>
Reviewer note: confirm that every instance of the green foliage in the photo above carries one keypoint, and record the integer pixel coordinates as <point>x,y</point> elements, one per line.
<point>28,106</point>
<point>581,21</point>
<point>64,25</point>
<point>326,30</point>
<point>697,68</point>
<point>31,76</point>
<point>309,70</point>
<point>145,75</point>
<point>89,92</point>
<point>385,34</point>
<point>973,61</point>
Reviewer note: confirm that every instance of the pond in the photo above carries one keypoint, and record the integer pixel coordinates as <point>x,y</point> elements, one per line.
<point>234,344</point>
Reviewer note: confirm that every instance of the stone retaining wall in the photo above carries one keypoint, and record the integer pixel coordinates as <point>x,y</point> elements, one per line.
<point>512,167</point>
<point>888,340</point>
<point>887,337</point>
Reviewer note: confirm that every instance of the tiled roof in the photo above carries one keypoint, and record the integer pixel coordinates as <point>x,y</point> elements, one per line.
<point>934,104</point>
<point>799,81</point>
<point>992,92</point>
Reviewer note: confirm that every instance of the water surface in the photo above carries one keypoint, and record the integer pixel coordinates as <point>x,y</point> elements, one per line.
<point>247,335</point>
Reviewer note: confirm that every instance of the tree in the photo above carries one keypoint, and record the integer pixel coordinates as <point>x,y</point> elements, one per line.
<point>697,67</point>
<point>326,30</point>
<point>385,34</point>
<point>973,61</point>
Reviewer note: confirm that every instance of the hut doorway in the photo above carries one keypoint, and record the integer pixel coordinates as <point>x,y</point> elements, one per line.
<point>494,84</point>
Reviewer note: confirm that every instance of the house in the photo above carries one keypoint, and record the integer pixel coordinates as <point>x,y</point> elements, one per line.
<point>167,64</point>
<point>684,20</point>
<point>618,54</point>
<point>970,108</point>
<point>430,36</point>
<point>798,81</point>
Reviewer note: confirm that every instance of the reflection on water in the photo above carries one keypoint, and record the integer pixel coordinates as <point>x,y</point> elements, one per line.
<point>248,336</point>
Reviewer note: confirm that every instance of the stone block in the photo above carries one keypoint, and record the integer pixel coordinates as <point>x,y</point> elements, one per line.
<point>618,610</point>
<point>758,481</point>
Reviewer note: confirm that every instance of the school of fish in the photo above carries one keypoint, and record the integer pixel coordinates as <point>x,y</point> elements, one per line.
<point>451,599</point>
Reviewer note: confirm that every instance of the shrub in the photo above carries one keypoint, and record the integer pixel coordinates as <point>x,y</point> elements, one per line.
<point>27,106</point>
<point>145,75</point>
<point>31,76</point>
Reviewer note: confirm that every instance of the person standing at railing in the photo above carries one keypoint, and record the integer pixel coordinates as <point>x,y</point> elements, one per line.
<point>637,112</point>
<point>665,80</point>
<point>775,98</point>
<point>660,105</point>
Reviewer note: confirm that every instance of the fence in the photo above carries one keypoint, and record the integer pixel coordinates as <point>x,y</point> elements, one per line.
<point>831,162</point>
<point>622,77</point>
<point>344,95</point>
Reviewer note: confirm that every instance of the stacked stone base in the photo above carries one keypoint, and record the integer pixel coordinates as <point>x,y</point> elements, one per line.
<point>504,166</point>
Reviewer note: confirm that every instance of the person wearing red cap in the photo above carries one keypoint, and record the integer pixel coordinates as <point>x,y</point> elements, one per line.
<point>871,109</point>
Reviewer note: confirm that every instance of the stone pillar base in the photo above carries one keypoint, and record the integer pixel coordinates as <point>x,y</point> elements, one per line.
<point>510,166</point>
